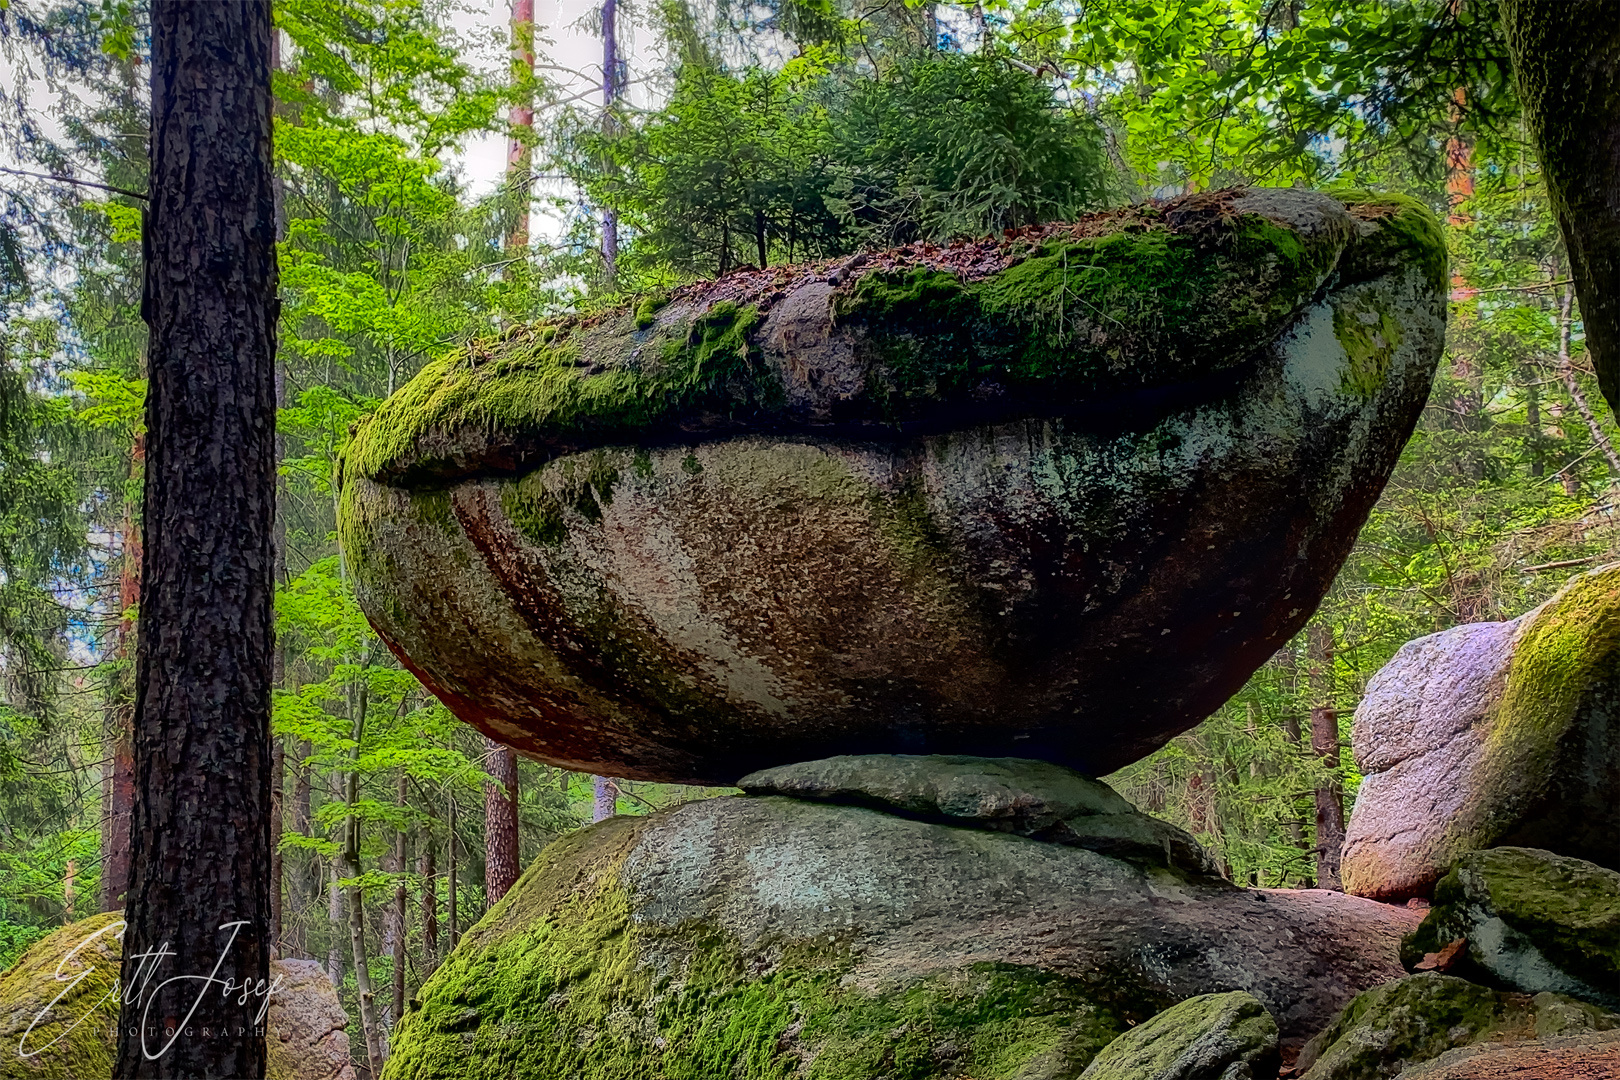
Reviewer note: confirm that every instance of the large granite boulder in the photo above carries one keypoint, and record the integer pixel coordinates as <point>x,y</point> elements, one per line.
<point>1386,1030</point>
<point>763,936</point>
<point>59,1011</point>
<point>1531,920</point>
<point>1054,495</point>
<point>1491,734</point>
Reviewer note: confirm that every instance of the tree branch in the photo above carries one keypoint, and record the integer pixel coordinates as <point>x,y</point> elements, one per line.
<point>69,180</point>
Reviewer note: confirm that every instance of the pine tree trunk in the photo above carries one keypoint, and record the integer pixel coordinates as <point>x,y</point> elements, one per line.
<point>278,774</point>
<point>450,876</point>
<point>427,871</point>
<point>301,888</point>
<point>1566,60</point>
<point>357,904</point>
<point>200,826</point>
<point>120,788</point>
<point>500,823</point>
<point>401,863</point>
<point>1325,744</point>
<point>336,924</point>
<point>610,95</point>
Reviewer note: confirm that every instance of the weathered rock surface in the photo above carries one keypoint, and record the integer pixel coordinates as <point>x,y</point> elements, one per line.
<point>1533,921</point>
<point>1592,1056</point>
<point>1416,1019</point>
<point>752,937</point>
<point>1210,1037</point>
<point>1054,496</point>
<point>1491,734</point>
<point>75,1038</point>
<point>1012,795</point>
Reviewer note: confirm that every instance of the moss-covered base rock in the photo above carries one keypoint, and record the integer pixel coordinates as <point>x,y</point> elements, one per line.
<point>59,1011</point>
<point>1055,496</point>
<point>1210,1037</point>
<point>766,937</point>
<point>1421,1017</point>
<point>1533,921</point>
<point>1492,734</point>
<point>1590,1056</point>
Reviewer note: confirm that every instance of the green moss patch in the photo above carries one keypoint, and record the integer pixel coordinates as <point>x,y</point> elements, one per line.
<point>73,1039</point>
<point>560,980</point>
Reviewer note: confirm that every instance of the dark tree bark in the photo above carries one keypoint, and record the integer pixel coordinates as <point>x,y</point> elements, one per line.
<point>500,823</point>
<point>1325,743</point>
<point>1566,58</point>
<point>200,851</point>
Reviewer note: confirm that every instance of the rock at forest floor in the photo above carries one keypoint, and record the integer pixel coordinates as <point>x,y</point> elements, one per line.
<point>1011,795</point>
<point>1532,921</point>
<point>75,1038</point>
<point>1592,1056</point>
<point>751,937</point>
<point>1416,1019</point>
<point>1210,1037</point>
<point>1487,735</point>
<point>1054,495</point>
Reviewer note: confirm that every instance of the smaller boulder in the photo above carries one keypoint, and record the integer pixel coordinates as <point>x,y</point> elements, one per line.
<point>1532,921</point>
<point>1020,796</point>
<point>1491,734</point>
<point>1210,1037</point>
<point>1416,1019</point>
<point>59,1011</point>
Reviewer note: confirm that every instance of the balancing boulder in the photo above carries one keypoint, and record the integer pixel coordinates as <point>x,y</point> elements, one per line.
<point>1053,496</point>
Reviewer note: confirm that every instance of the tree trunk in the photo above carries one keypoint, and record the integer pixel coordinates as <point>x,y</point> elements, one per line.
<point>606,802</point>
<point>610,95</point>
<point>1532,421</point>
<point>278,774</point>
<point>450,876</point>
<point>401,864</point>
<point>500,823</point>
<point>427,871</point>
<point>334,905</point>
<point>357,900</point>
<point>120,787</point>
<point>1325,743</point>
<point>1566,59</point>
<point>301,887</point>
<point>200,827</point>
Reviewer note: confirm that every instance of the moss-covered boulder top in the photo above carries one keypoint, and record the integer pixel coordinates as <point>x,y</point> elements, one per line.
<point>1053,496</point>
<point>1040,321</point>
